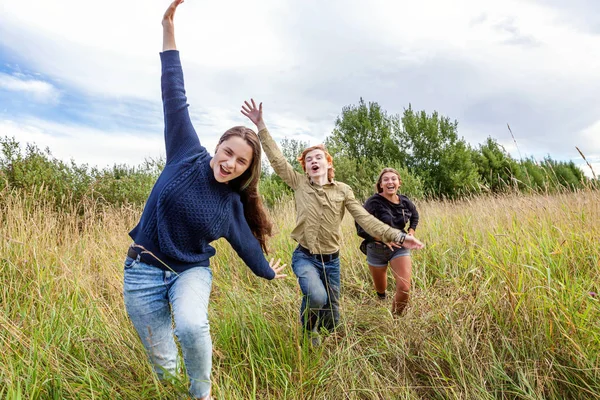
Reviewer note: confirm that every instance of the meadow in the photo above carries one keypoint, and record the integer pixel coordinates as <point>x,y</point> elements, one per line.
<point>502,307</point>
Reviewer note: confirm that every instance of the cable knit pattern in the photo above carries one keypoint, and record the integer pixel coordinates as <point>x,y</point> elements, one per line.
<point>178,235</point>
<point>187,208</point>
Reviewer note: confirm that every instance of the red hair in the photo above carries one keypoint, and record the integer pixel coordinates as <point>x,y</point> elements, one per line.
<point>330,171</point>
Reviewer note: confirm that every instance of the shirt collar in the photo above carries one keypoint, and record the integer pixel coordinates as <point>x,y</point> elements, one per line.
<point>333,182</point>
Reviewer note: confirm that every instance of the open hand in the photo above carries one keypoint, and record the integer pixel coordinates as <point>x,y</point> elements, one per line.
<point>170,13</point>
<point>411,242</point>
<point>275,267</point>
<point>253,113</point>
<point>392,245</point>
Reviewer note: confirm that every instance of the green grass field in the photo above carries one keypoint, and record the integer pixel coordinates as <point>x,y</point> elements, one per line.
<point>500,309</point>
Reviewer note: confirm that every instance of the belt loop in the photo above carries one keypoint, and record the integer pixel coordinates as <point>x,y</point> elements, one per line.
<point>138,255</point>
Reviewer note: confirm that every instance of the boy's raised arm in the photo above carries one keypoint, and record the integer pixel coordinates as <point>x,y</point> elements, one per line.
<point>280,165</point>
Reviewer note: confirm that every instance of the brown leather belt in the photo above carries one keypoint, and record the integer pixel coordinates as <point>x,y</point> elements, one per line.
<point>131,253</point>
<point>143,257</point>
<point>319,257</point>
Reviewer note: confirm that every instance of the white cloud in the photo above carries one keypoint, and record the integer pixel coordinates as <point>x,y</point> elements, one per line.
<point>84,144</point>
<point>104,52</point>
<point>101,148</point>
<point>484,63</point>
<point>591,136</point>
<point>590,147</point>
<point>40,91</point>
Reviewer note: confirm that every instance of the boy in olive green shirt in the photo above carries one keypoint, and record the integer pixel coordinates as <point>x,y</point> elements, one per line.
<point>320,203</point>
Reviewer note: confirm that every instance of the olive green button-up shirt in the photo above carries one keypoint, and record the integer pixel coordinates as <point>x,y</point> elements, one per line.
<point>320,209</point>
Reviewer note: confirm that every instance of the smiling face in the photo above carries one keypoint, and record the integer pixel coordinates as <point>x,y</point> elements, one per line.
<point>232,159</point>
<point>389,182</point>
<point>316,165</point>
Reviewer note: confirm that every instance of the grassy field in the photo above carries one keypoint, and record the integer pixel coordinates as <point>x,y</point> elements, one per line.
<point>501,309</point>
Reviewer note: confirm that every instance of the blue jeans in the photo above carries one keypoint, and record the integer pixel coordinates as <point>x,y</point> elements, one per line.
<point>320,285</point>
<point>154,299</point>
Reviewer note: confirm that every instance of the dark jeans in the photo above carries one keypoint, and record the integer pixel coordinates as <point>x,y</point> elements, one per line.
<point>320,285</point>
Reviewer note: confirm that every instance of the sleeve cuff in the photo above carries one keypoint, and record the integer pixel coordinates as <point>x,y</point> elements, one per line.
<point>170,57</point>
<point>263,130</point>
<point>270,276</point>
<point>391,234</point>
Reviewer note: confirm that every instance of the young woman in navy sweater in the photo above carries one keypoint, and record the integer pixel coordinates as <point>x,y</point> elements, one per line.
<point>196,200</point>
<point>397,211</point>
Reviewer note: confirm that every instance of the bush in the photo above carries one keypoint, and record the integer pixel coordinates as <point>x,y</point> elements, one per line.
<point>362,176</point>
<point>37,174</point>
<point>274,190</point>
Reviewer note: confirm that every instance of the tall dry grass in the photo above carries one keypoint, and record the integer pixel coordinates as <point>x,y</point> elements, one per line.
<point>500,308</point>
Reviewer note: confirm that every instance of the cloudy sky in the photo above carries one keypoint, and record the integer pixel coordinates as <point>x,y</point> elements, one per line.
<point>83,77</point>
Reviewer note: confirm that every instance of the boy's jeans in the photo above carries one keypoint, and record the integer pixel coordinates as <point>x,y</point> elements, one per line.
<point>320,285</point>
<point>152,298</point>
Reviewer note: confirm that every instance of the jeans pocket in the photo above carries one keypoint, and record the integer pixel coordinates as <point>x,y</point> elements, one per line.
<point>373,247</point>
<point>378,250</point>
<point>129,263</point>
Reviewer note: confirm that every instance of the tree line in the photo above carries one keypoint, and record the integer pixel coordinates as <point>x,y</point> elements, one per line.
<point>431,157</point>
<point>433,160</point>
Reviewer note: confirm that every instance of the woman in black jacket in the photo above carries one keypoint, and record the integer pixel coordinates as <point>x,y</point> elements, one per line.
<point>397,211</point>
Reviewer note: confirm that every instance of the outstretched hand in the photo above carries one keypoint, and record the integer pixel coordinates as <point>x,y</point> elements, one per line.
<point>275,267</point>
<point>169,26</point>
<point>170,13</point>
<point>411,242</point>
<point>254,114</point>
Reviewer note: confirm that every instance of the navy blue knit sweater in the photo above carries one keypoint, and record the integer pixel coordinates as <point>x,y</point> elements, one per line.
<point>187,208</point>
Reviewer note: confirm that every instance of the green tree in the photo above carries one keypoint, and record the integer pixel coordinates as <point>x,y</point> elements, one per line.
<point>362,143</point>
<point>562,174</point>
<point>272,187</point>
<point>365,132</point>
<point>36,173</point>
<point>497,169</point>
<point>436,154</point>
<point>534,176</point>
<point>551,175</point>
<point>362,176</point>
<point>292,149</point>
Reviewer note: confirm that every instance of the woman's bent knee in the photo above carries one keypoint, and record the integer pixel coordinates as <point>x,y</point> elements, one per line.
<point>194,329</point>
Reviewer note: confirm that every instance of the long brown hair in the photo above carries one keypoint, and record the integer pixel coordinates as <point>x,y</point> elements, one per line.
<point>383,171</point>
<point>302,159</point>
<point>247,186</point>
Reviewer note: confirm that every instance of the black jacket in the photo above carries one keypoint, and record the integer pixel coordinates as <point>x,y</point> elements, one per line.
<point>395,215</point>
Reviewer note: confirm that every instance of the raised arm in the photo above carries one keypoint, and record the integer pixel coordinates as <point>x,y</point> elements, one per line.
<point>280,165</point>
<point>169,27</point>
<point>181,140</point>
